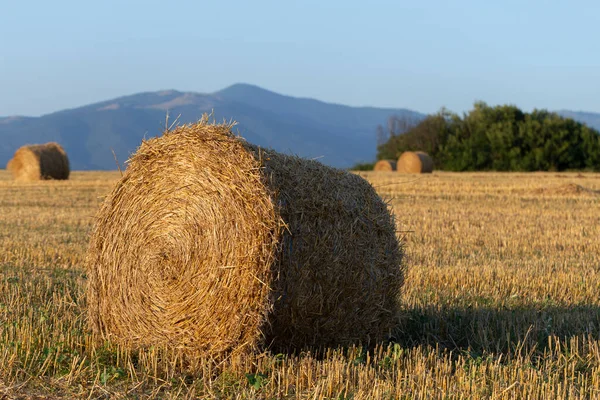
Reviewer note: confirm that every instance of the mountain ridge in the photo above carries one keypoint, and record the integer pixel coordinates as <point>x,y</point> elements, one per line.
<point>336,134</point>
<point>339,135</point>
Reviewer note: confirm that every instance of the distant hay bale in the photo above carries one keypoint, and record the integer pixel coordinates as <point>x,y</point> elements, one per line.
<point>385,165</point>
<point>416,162</point>
<point>212,244</point>
<point>567,189</point>
<point>39,161</point>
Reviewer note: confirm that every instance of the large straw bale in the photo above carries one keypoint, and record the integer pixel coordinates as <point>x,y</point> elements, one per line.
<point>39,161</point>
<point>385,165</point>
<point>212,244</point>
<point>416,162</point>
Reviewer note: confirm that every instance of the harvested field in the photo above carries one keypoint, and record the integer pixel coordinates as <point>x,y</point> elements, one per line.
<point>500,300</point>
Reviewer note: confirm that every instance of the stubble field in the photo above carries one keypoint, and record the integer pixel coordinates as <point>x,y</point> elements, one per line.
<point>501,300</point>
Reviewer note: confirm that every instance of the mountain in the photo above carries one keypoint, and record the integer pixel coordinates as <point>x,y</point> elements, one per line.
<point>338,135</point>
<point>589,118</point>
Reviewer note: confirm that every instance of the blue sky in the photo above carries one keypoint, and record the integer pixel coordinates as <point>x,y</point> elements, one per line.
<point>421,55</point>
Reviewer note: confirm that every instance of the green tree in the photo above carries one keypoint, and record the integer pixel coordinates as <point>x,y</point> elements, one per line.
<point>427,136</point>
<point>500,138</point>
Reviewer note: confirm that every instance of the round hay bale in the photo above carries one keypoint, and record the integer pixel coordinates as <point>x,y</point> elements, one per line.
<point>385,165</point>
<point>39,161</point>
<point>416,162</point>
<point>212,244</point>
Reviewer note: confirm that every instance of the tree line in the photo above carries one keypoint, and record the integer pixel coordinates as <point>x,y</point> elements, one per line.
<point>500,138</point>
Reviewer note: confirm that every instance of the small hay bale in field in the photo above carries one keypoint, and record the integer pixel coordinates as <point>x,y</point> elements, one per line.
<point>211,244</point>
<point>414,162</point>
<point>567,189</point>
<point>39,161</point>
<point>385,165</point>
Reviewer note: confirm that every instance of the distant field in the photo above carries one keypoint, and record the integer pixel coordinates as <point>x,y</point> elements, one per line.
<point>502,300</point>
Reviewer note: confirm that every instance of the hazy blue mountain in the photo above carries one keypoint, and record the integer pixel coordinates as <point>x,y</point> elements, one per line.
<point>338,135</point>
<point>589,118</point>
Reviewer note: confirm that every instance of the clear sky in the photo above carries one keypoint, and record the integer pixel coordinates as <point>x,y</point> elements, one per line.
<point>422,54</point>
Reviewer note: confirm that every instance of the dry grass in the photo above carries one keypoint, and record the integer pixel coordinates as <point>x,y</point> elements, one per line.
<point>500,301</point>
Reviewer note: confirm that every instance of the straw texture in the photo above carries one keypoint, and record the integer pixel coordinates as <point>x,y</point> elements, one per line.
<point>214,245</point>
<point>38,162</point>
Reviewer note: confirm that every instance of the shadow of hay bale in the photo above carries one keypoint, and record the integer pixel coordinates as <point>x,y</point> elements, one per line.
<point>496,330</point>
<point>211,244</point>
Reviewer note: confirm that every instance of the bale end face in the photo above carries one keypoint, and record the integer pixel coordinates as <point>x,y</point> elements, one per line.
<point>10,165</point>
<point>385,165</point>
